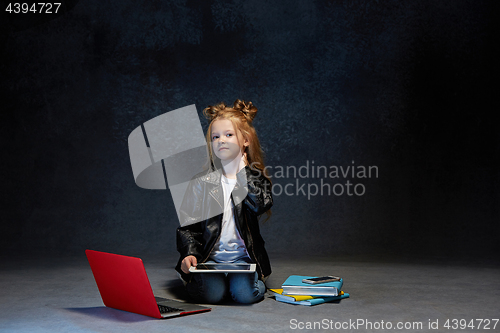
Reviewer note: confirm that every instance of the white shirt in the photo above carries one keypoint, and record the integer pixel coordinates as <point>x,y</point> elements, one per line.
<point>231,246</point>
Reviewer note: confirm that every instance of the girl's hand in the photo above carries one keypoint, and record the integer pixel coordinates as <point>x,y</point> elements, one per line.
<point>187,263</point>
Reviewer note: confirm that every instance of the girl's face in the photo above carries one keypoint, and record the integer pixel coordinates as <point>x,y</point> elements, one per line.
<point>227,143</point>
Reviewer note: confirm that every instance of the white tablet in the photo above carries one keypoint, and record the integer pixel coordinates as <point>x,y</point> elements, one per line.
<point>223,268</point>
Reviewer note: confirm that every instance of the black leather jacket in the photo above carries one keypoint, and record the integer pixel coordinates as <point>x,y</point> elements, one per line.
<point>203,202</point>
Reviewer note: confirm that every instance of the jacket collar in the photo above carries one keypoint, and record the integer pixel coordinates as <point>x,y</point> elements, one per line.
<point>213,177</point>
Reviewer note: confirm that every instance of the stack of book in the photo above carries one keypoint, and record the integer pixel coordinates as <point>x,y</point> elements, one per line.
<point>295,291</point>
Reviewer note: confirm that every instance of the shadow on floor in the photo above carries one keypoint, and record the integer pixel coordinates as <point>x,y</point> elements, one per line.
<point>103,312</point>
<point>176,289</point>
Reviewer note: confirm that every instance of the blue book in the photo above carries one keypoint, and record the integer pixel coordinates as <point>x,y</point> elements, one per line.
<point>312,301</point>
<point>294,286</point>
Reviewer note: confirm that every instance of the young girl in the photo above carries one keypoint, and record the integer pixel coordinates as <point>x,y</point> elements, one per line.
<point>221,209</point>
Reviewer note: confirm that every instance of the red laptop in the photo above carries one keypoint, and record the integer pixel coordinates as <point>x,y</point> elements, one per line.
<point>124,285</point>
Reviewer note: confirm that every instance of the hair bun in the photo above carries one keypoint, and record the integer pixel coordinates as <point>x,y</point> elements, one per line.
<point>248,109</point>
<point>212,111</point>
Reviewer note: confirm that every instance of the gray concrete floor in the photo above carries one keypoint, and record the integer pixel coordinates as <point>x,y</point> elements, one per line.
<point>60,295</point>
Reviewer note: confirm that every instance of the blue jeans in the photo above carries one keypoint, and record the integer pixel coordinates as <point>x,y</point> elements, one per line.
<point>212,288</point>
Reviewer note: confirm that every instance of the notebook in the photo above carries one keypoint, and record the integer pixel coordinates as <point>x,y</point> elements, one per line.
<point>124,285</point>
<point>294,286</point>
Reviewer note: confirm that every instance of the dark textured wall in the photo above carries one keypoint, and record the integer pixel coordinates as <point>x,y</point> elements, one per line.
<point>406,86</point>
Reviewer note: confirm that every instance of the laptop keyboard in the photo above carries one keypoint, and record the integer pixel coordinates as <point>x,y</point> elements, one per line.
<point>167,309</point>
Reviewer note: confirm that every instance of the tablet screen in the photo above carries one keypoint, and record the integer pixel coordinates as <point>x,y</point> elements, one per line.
<point>223,267</point>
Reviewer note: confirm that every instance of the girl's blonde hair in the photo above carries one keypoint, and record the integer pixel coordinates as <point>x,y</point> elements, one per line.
<point>241,114</point>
